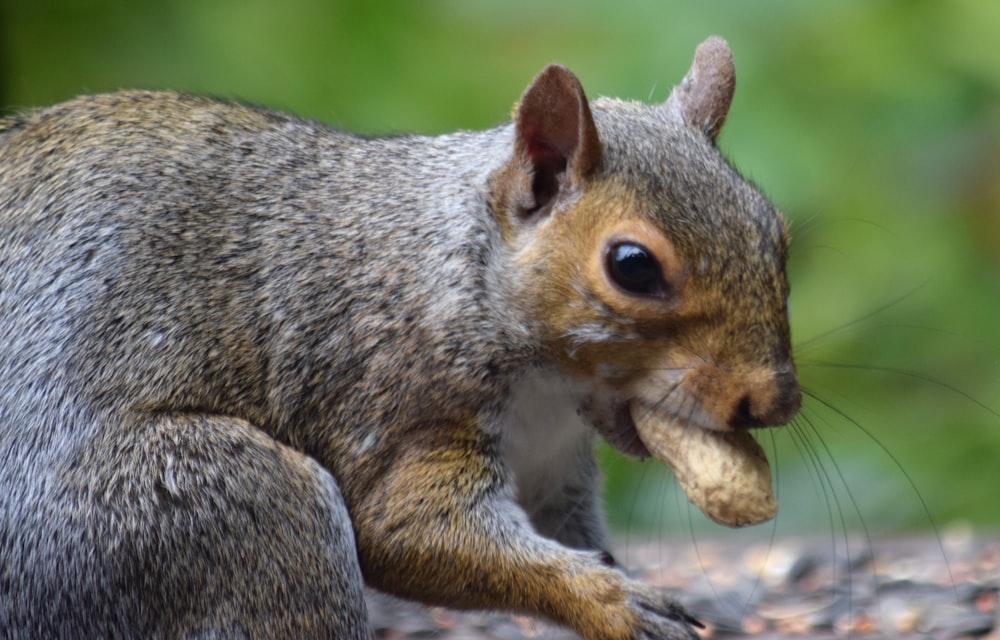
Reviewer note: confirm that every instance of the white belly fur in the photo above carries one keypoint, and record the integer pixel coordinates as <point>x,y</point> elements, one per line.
<point>544,435</point>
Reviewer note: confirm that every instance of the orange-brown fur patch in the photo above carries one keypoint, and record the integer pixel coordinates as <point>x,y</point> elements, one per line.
<point>644,337</point>
<point>428,530</point>
<point>570,290</point>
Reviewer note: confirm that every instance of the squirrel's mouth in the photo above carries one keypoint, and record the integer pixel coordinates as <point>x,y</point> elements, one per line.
<point>618,429</point>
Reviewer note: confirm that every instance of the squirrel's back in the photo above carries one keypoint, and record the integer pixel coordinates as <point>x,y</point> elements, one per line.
<point>127,218</point>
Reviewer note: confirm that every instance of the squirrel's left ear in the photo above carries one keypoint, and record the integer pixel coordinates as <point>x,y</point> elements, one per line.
<point>555,140</point>
<point>703,97</point>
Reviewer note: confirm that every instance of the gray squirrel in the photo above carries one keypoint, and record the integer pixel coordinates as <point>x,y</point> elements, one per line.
<point>250,363</point>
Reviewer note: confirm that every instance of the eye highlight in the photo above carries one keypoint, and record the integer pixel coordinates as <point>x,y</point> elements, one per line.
<point>633,268</point>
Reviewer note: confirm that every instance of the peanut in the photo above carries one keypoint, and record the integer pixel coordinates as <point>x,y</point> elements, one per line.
<point>724,473</point>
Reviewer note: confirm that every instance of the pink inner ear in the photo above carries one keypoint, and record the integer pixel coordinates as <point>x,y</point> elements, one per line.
<point>554,134</point>
<point>541,148</point>
<point>549,115</point>
<point>547,163</point>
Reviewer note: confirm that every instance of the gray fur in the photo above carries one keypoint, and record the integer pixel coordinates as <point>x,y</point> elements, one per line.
<point>239,345</point>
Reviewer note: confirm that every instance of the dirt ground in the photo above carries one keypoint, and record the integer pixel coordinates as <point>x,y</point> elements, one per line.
<point>937,587</point>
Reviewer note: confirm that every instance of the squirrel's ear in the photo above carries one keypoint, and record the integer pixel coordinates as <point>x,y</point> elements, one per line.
<point>703,97</point>
<point>555,139</point>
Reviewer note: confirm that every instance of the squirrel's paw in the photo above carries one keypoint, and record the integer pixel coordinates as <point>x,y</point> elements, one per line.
<point>614,607</point>
<point>660,618</point>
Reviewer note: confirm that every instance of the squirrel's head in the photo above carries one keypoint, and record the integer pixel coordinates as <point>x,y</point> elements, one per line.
<point>653,271</point>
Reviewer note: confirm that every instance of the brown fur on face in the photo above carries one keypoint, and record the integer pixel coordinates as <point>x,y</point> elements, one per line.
<point>696,351</point>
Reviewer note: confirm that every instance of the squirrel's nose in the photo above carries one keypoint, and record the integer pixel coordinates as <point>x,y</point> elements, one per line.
<point>785,399</point>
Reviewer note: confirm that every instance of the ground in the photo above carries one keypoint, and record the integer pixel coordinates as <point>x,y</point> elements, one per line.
<point>934,586</point>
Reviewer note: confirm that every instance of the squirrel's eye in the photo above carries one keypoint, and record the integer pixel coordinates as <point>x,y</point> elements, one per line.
<point>633,268</point>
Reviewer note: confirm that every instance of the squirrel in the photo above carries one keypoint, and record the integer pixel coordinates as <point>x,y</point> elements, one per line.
<point>251,363</point>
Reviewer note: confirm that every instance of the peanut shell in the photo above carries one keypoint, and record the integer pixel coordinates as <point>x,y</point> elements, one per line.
<point>724,473</point>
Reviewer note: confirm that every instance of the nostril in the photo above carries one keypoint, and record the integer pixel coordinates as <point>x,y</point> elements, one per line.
<point>743,416</point>
<point>782,407</point>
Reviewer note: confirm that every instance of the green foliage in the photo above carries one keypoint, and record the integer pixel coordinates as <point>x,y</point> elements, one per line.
<point>874,124</point>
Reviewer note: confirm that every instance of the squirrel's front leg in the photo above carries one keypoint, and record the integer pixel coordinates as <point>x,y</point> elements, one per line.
<point>443,528</point>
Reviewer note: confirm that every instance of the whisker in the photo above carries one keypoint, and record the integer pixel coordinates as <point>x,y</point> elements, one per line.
<point>803,226</point>
<point>821,483</point>
<point>774,527</point>
<point>915,375</point>
<point>652,90</point>
<point>851,323</point>
<point>830,488</point>
<point>843,481</point>
<point>632,507</point>
<point>657,406</point>
<point>899,466</point>
<point>857,510</point>
<point>661,507</point>
<point>690,519</point>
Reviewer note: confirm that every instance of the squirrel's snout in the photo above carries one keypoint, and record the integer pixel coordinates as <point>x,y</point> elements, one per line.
<point>770,405</point>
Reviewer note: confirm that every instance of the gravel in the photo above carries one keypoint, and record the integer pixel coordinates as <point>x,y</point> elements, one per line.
<point>926,587</point>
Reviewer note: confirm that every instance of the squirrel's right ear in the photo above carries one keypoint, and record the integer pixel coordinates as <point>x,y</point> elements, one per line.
<point>555,139</point>
<point>703,97</point>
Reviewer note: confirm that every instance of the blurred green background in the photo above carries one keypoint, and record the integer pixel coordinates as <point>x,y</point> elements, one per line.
<point>875,125</point>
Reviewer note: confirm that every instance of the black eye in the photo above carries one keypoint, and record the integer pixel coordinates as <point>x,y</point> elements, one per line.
<point>633,268</point>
